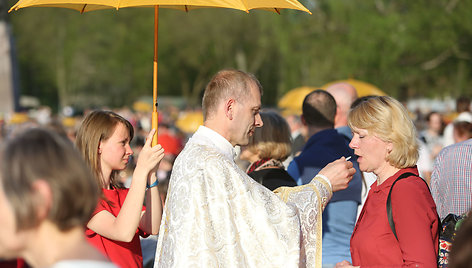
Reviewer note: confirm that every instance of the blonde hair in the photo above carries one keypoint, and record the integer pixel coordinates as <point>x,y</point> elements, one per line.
<point>39,154</point>
<point>273,139</point>
<point>99,126</point>
<point>387,119</point>
<point>225,84</point>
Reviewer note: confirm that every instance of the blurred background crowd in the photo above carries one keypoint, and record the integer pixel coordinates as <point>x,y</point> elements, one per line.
<point>437,126</point>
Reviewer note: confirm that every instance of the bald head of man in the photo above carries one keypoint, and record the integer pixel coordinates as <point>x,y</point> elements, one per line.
<point>344,94</point>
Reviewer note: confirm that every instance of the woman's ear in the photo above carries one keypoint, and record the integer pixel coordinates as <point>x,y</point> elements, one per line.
<point>389,147</point>
<point>43,199</point>
<point>99,150</point>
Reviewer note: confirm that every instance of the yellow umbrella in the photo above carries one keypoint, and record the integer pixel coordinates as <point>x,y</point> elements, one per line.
<point>291,102</point>
<point>142,106</point>
<point>189,122</point>
<point>19,118</point>
<point>362,88</point>
<point>89,5</point>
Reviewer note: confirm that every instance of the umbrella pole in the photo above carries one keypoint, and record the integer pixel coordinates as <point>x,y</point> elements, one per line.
<point>155,114</point>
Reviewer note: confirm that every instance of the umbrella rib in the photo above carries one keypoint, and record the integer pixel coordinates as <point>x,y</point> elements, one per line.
<point>186,8</point>
<point>83,9</point>
<point>277,10</point>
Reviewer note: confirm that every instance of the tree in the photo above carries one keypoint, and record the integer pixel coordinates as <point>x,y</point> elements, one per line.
<point>105,57</point>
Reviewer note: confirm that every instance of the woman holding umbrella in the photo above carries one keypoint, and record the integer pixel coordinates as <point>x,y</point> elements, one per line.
<point>119,219</point>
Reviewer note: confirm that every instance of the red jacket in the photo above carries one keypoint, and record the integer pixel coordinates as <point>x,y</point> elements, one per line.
<point>416,223</point>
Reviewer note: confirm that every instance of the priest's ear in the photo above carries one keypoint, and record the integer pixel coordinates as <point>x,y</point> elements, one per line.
<point>229,108</point>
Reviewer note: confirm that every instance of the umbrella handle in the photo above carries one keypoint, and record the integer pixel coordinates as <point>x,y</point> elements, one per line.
<point>154,122</point>
<point>155,114</point>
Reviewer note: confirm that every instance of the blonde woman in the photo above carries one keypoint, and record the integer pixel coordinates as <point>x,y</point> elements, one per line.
<point>385,142</point>
<point>119,219</point>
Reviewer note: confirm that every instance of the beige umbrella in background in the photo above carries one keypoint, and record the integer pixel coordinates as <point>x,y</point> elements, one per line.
<point>90,5</point>
<point>292,101</point>
<point>189,122</point>
<point>362,88</point>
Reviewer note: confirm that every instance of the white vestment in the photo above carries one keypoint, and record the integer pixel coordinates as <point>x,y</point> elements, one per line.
<point>217,216</point>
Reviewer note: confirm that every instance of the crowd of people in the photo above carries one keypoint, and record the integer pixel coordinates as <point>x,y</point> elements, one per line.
<point>351,182</point>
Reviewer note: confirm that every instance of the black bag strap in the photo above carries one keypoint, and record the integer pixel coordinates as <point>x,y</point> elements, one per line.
<point>389,205</point>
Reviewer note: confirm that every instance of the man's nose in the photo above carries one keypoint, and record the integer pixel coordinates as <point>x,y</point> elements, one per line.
<point>258,121</point>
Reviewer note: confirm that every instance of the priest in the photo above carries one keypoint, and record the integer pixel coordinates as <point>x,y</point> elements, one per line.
<point>217,216</point>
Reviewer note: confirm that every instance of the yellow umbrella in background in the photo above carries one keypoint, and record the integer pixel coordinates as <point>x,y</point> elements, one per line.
<point>90,5</point>
<point>291,102</point>
<point>19,118</point>
<point>190,121</point>
<point>69,122</point>
<point>142,106</point>
<point>362,88</point>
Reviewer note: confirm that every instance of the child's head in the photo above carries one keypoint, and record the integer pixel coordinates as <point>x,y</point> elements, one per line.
<point>43,178</point>
<point>97,128</point>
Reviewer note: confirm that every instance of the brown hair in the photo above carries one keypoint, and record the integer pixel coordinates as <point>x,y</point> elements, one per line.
<point>463,129</point>
<point>273,139</point>
<point>224,84</point>
<point>39,154</point>
<point>319,109</point>
<point>99,126</point>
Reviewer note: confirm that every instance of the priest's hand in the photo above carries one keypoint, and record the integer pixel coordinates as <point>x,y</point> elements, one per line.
<point>339,173</point>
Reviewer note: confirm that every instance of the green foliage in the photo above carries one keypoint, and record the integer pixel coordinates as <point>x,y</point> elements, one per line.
<point>406,48</point>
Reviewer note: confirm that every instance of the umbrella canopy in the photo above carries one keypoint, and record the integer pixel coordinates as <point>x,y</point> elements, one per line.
<point>142,106</point>
<point>189,122</point>
<point>90,5</point>
<point>362,88</point>
<point>291,102</point>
